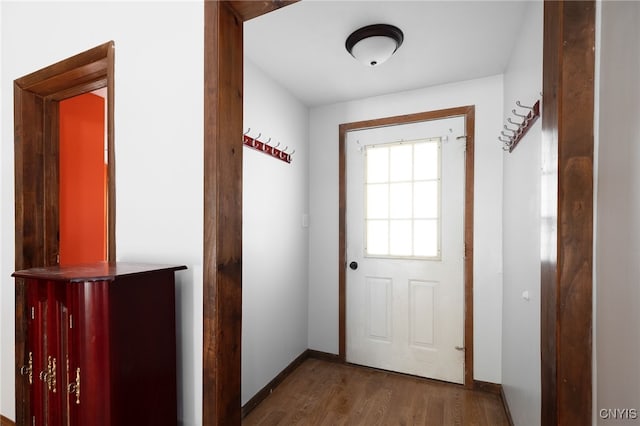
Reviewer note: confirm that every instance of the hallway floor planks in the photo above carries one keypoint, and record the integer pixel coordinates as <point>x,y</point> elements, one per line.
<point>325,393</point>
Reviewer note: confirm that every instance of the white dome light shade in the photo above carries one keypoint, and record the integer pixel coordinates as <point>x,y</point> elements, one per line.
<point>374,44</point>
<point>373,51</point>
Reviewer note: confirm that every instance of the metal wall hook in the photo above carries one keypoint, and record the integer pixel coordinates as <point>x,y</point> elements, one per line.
<point>247,132</point>
<point>524,106</point>
<point>516,135</point>
<point>518,115</point>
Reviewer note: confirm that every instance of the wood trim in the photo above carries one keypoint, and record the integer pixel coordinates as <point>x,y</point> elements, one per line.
<point>36,97</point>
<point>324,356</point>
<point>247,10</point>
<point>487,387</point>
<point>111,153</point>
<point>5,421</point>
<point>567,221</point>
<point>505,404</point>
<point>50,164</point>
<point>469,113</point>
<point>79,69</point>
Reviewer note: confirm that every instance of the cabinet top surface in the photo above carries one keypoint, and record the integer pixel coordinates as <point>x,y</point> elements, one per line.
<point>99,271</point>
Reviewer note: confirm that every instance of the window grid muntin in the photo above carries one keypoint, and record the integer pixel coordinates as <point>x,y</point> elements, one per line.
<point>438,179</point>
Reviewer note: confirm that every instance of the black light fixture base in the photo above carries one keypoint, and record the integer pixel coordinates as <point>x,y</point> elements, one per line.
<point>375,30</point>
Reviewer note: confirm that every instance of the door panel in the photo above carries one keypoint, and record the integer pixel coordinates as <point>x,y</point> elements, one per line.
<point>422,303</point>
<point>405,230</point>
<point>378,308</point>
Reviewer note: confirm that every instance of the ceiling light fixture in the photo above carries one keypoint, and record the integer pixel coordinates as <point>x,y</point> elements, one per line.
<point>374,44</point>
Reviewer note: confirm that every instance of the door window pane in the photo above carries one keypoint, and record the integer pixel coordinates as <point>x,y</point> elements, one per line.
<point>377,164</point>
<point>401,200</point>
<point>378,201</point>
<point>400,164</point>
<point>400,238</point>
<point>378,237</point>
<point>402,208</point>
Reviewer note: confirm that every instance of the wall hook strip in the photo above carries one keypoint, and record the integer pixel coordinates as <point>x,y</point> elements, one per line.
<point>265,148</point>
<point>528,119</point>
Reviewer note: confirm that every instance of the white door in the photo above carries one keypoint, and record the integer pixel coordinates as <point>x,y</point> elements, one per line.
<point>405,248</point>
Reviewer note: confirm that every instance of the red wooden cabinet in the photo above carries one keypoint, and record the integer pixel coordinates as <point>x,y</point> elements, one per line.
<point>101,344</point>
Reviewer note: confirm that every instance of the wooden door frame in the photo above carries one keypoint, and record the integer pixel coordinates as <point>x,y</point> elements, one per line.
<point>36,141</point>
<point>468,112</point>
<point>222,253</point>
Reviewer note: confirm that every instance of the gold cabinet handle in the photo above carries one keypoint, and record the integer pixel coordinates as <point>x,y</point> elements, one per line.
<point>75,387</point>
<point>51,377</point>
<point>28,369</point>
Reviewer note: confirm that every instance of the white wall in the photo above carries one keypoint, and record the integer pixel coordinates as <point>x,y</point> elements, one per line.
<point>521,229</point>
<point>486,94</point>
<point>158,143</point>
<point>617,270</point>
<point>275,242</point>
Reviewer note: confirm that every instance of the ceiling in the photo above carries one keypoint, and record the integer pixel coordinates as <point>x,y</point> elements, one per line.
<point>301,46</point>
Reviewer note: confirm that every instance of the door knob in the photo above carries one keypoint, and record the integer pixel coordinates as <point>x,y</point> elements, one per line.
<point>353,265</point>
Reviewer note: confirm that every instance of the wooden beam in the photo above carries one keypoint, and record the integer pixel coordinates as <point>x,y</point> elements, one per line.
<point>222,251</point>
<point>252,9</point>
<point>567,212</point>
<point>222,242</point>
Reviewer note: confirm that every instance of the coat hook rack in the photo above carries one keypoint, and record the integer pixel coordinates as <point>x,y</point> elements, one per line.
<point>510,137</point>
<point>266,147</point>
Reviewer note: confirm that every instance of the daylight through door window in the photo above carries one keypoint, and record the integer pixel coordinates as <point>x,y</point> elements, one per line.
<point>402,199</point>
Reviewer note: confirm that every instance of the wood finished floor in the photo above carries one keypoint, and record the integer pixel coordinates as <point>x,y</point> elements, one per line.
<point>325,393</point>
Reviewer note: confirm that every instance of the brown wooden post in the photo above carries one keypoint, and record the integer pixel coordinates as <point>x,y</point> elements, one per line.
<point>567,212</point>
<point>222,251</point>
<point>222,244</point>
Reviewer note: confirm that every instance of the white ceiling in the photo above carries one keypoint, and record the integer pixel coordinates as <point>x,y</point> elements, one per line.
<point>301,46</point>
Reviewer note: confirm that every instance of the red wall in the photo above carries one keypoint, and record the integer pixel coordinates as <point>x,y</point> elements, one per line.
<point>83,180</point>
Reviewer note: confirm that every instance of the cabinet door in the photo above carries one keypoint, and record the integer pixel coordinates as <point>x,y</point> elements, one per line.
<point>89,354</point>
<point>36,372</point>
<point>46,349</point>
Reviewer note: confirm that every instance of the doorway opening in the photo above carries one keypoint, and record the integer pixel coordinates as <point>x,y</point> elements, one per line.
<point>83,171</point>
